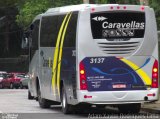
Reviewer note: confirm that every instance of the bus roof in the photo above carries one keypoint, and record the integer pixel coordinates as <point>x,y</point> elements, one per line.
<point>75,7</point>
<point>82,7</point>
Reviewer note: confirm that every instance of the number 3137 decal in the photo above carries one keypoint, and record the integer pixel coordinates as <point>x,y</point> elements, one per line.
<point>97,60</point>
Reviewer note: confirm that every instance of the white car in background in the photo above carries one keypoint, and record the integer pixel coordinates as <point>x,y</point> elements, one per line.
<point>2,75</point>
<point>24,81</point>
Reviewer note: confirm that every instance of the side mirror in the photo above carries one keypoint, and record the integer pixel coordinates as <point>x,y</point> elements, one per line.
<point>31,27</point>
<point>26,39</point>
<point>25,42</point>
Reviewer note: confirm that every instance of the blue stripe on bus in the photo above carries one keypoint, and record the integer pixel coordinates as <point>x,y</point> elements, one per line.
<point>102,76</point>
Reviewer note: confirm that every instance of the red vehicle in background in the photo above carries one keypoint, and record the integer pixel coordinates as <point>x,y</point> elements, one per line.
<point>12,80</point>
<point>3,75</point>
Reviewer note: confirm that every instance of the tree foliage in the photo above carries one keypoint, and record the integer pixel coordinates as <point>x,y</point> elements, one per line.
<point>8,12</point>
<point>117,1</point>
<point>4,3</point>
<point>28,9</point>
<point>31,8</point>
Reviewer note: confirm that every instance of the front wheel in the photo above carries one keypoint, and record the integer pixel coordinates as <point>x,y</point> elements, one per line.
<point>43,103</point>
<point>1,86</point>
<point>21,86</point>
<point>66,108</point>
<point>130,108</point>
<point>30,97</point>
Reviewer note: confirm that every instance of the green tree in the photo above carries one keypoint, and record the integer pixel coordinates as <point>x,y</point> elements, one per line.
<point>7,22</point>
<point>101,1</point>
<point>7,3</point>
<point>117,1</point>
<point>30,8</point>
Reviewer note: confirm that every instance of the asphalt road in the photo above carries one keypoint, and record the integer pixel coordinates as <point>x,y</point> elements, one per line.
<point>15,105</point>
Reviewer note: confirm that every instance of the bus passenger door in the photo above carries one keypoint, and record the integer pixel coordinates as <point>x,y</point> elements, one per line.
<point>46,70</point>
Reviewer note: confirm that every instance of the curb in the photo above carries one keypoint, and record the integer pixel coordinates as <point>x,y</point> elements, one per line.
<point>150,110</point>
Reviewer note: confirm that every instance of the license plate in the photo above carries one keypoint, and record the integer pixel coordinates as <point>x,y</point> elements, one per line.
<point>119,86</point>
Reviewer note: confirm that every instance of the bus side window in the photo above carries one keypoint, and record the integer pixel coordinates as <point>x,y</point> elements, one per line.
<point>34,34</point>
<point>49,30</point>
<point>33,38</point>
<point>27,38</point>
<point>70,38</point>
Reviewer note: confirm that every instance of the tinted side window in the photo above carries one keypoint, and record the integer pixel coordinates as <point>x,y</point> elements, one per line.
<point>49,30</point>
<point>35,34</point>
<point>70,37</point>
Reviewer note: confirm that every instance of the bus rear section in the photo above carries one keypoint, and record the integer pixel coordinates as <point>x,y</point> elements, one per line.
<point>117,56</point>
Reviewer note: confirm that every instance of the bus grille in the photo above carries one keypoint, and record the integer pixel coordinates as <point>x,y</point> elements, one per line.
<point>119,48</point>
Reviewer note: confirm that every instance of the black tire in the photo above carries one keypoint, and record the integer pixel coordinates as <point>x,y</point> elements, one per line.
<point>21,86</point>
<point>30,97</point>
<point>16,87</point>
<point>26,87</point>
<point>43,103</point>
<point>66,108</point>
<point>11,86</point>
<point>130,108</point>
<point>1,86</point>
